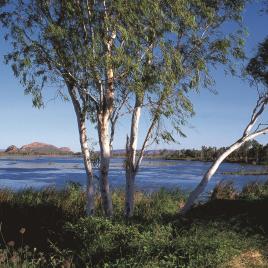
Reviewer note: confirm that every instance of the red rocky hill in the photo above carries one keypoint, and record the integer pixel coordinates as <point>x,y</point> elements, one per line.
<point>38,148</point>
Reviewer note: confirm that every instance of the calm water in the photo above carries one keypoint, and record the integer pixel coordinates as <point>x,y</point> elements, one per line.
<point>18,173</point>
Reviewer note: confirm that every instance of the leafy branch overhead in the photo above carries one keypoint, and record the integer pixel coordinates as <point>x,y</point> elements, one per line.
<point>258,66</point>
<point>66,38</point>
<point>185,42</point>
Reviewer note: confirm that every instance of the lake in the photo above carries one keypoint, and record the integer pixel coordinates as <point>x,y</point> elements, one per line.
<point>39,172</point>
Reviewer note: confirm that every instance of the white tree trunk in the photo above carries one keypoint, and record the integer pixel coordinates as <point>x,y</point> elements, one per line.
<point>90,208</point>
<point>131,166</point>
<point>81,122</point>
<point>212,170</point>
<point>105,154</point>
<point>104,117</point>
<point>130,187</point>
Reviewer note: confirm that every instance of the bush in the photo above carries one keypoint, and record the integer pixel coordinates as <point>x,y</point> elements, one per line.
<point>224,190</point>
<point>251,191</point>
<point>254,191</point>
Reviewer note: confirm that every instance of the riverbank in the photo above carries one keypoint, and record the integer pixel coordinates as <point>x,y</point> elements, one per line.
<point>123,156</point>
<point>229,229</point>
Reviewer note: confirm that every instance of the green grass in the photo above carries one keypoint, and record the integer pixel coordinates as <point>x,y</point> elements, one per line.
<point>58,234</point>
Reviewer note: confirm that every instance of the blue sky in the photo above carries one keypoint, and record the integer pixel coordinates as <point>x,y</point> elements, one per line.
<point>219,118</point>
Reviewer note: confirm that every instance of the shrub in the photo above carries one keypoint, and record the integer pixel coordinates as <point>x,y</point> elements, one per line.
<point>254,191</point>
<point>224,190</point>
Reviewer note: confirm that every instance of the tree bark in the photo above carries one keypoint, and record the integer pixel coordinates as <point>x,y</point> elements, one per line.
<point>81,122</point>
<point>90,207</point>
<point>105,154</point>
<point>212,170</point>
<point>246,136</point>
<point>131,165</point>
<point>104,117</point>
<point>129,202</point>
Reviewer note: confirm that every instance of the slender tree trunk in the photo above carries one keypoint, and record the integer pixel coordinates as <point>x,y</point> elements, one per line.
<point>246,157</point>
<point>105,154</point>
<point>104,117</point>
<point>130,186</point>
<point>81,122</point>
<point>131,165</point>
<point>246,136</point>
<point>212,170</point>
<point>90,209</point>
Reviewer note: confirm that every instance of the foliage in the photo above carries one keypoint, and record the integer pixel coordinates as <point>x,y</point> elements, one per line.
<point>258,65</point>
<point>185,41</point>
<point>161,49</point>
<point>155,245</point>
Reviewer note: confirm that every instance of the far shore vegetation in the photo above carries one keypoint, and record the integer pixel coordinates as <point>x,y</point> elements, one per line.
<point>252,152</point>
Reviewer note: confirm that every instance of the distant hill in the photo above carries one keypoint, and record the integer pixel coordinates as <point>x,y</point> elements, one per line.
<point>38,148</point>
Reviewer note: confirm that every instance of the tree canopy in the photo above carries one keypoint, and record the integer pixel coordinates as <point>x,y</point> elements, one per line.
<point>68,39</point>
<point>258,65</point>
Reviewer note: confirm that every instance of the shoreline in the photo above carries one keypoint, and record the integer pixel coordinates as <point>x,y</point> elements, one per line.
<point>148,158</point>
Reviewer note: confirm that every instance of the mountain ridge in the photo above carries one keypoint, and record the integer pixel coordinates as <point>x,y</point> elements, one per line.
<point>38,148</point>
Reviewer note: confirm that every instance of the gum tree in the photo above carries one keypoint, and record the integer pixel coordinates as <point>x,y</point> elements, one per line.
<point>81,48</point>
<point>258,69</point>
<point>185,40</point>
